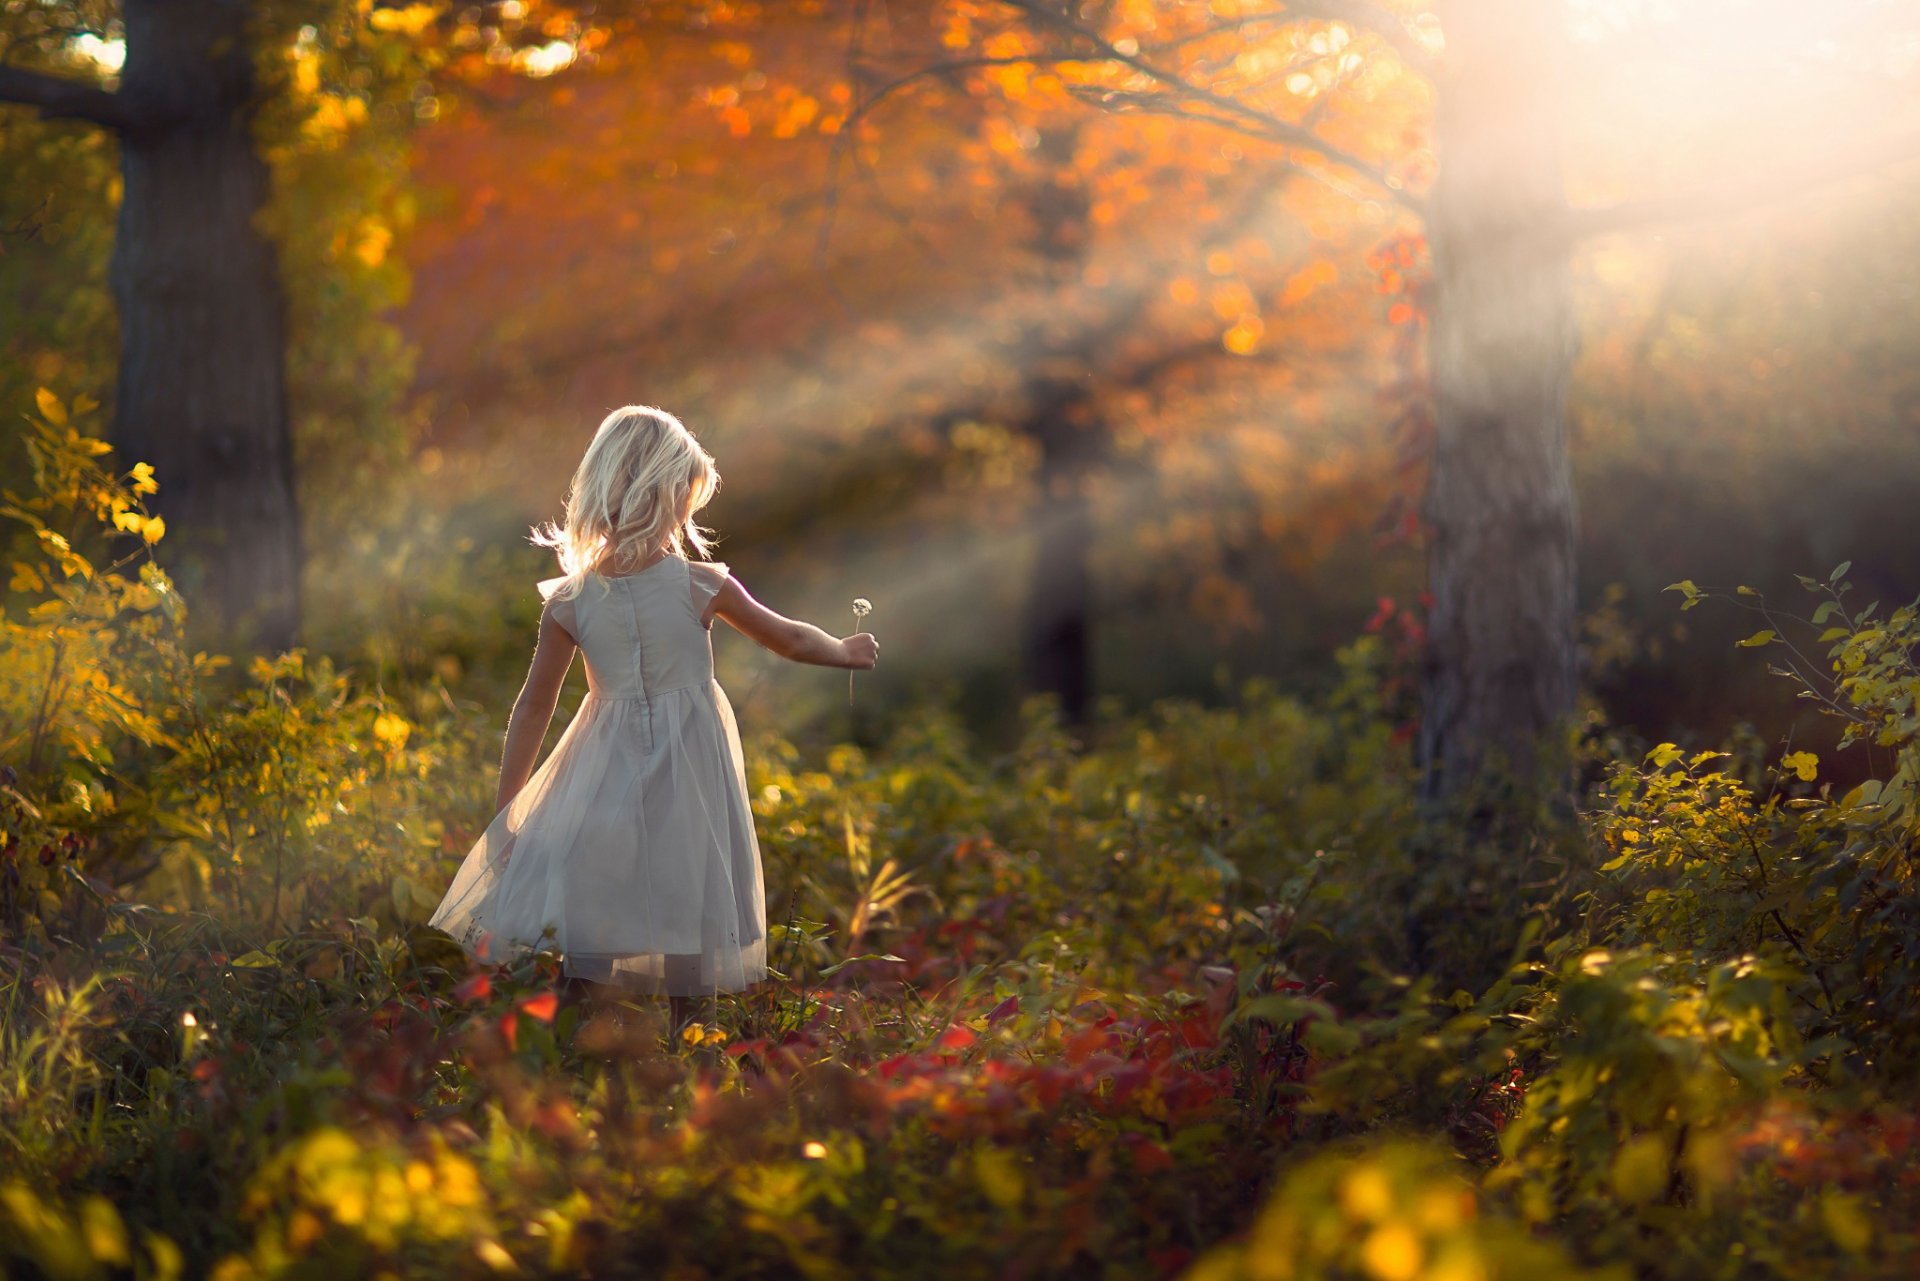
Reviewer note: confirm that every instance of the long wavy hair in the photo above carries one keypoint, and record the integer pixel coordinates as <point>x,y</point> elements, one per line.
<point>635,493</point>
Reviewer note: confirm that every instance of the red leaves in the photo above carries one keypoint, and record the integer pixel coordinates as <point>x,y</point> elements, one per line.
<point>543,1006</point>
<point>477,988</point>
<point>958,1036</point>
<point>1084,1044</point>
<point>1147,1156</point>
<point>1005,1010</point>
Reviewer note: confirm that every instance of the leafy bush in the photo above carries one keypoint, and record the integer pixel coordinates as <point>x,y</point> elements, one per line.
<point>1214,996</point>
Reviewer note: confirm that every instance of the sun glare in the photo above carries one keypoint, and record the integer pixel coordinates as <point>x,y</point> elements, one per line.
<point>108,55</point>
<point>554,56</point>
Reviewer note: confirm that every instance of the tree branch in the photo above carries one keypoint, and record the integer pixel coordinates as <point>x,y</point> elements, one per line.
<point>1364,14</point>
<point>1250,120</point>
<point>57,98</point>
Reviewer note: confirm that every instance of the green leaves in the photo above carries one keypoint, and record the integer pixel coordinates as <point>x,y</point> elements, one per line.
<point>1692,594</point>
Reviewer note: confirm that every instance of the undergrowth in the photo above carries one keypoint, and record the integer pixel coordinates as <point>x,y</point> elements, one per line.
<point>1207,995</point>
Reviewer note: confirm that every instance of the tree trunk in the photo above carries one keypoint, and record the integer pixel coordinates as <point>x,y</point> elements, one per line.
<point>1060,601</point>
<point>202,387</point>
<point>1499,503</point>
<point>1060,419</point>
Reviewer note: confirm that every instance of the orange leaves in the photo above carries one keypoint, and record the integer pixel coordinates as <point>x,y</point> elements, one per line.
<point>542,1006</point>
<point>1225,605</point>
<point>1244,338</point>
<point>1231,299</point>
<point>1400,267</point>
<point>1303,283</point>
<point>799,112</point>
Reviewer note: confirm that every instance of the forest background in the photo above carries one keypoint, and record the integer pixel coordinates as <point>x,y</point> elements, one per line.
<point>483,260</point>
<point>1104,386</point>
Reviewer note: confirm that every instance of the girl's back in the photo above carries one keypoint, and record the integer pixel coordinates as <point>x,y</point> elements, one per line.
<point>644,634</point>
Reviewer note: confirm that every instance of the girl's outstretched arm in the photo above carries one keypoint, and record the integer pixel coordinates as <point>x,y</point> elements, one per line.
<point>789,637</point>
<point>533,709</point>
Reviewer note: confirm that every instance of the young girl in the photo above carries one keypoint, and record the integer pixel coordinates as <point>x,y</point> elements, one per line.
<point>633,843</point>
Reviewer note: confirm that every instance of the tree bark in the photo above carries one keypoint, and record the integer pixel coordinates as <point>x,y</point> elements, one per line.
<point>1499,506</point>
<point>1057,645</point>
<point>202,388</point>
<point>1059,632</point>
<point>202,384</point>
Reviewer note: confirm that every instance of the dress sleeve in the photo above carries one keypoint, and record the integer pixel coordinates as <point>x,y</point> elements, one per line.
<point>706,578</point>
<point>562,610</point>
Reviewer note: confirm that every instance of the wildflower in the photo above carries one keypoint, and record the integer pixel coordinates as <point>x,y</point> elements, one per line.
<point>861,608</point>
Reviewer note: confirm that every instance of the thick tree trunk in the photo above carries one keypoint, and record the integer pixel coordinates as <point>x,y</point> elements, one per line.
<point>202,388</point>
<point>1058,639</point>
<point>1499,505</point>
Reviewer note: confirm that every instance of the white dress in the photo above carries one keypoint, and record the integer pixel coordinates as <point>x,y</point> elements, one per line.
<point>633,844</point>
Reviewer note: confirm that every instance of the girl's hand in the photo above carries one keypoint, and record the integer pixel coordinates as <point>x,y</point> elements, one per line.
<point>862,650</point>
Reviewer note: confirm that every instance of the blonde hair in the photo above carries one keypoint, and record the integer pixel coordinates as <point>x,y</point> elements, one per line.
<point>635,492</point>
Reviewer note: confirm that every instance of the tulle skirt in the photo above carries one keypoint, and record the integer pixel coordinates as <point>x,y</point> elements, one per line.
<point>630,851</point>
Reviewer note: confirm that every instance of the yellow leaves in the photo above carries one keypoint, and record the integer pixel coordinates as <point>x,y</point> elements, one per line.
<point>1846,1221</point>
<point>1392,1253</point>
<point>408,21</point>
<point>1804,765</point>
<point>1366,1194</point>
<point>142,479</point>
<point>374,239</point>
<point>391,731</point>
<point>494,1255</point>
<point>1640,1170</point>
<point>306,73</point>
<point>382,1197</point>
<point>334,114</point>
<point>150,528</point>
<point>50,407</point>
<point>1000,1177</point>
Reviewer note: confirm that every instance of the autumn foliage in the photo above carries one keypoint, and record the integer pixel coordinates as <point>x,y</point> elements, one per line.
<point>973,300</point>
